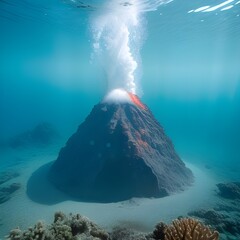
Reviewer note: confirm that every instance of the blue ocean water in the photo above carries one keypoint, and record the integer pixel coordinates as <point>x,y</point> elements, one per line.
<point>189,73</point>
<point>196,56</point>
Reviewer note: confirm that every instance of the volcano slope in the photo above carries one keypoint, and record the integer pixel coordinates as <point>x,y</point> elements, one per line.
<point>120,151</point>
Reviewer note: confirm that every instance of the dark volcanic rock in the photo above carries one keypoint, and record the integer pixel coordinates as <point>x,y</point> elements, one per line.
<point>6,192</point>
<point>120,151</point>
<point>6,176</point>
<point>4,197</point>
<point>159,231</point>
<point>228,207</point>
<point>42,134</point>
<point>11,188</point>
<point>229,190</point>
<point>227,224</point>
<point>210,217</point>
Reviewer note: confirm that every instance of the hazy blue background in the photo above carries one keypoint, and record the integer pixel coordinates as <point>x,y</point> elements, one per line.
<point>190,74</point>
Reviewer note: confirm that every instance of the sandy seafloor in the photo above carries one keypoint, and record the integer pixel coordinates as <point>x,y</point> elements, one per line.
<point>141,214</point>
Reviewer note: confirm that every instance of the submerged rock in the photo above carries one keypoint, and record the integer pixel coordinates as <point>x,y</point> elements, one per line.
<point>6,176</point>
<point>120,151</point>
<point>42,134</point>
<point>226,223</point>
<point>7,191</point>
<point>229,190</point>
<point>210,217</point>
<point>129,234</point>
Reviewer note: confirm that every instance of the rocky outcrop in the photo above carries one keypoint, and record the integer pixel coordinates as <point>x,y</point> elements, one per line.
<point>229,190</point>
<point>7,190</point>
<point>226,224</point>
<point>41,135</point>
<point>6,176</point>
<point>120,151</point>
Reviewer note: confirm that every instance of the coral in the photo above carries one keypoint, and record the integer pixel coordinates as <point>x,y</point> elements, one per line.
<point>71,227</point>
<point>15,234</point>
<point>59,216</point>
<point>60,231</point>
<point>98,233</point>
<point>189,229</point>
<point>37,232</point>
<point>79,224</point>
<point>77,227</point>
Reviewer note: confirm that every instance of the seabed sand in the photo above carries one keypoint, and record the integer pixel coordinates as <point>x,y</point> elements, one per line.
<point>139,213</point>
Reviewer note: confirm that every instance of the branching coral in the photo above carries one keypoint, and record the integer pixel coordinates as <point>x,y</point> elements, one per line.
<point>37,232</point>
<point>189,229</point>
<point>72,227</point>
<point>15,234</point>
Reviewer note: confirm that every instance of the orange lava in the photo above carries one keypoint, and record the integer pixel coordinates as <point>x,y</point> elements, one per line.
<point>136,100</point>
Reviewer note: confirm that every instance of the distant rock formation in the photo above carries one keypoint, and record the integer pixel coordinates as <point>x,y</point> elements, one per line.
<point>120,151</point>
<point>7,191</point>
<point>6,176</point>
<point>229,190</point>
<point>41,135</point>
<point>224,215</point>
<point>224,218</point>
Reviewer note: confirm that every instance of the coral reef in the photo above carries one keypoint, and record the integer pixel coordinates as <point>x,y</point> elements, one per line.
<point>72,227</point>
<point>43,134</point>
<point>184,229</point>
<point>77,227</point>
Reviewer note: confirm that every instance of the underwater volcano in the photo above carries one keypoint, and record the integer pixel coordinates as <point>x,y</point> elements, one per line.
<point>120,151</point>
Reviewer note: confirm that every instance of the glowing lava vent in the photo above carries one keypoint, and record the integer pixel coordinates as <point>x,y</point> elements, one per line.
<point>135,99</point>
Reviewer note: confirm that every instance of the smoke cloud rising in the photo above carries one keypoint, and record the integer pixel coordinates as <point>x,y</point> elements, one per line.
<point>117,33</point>
<point>114,31</point>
